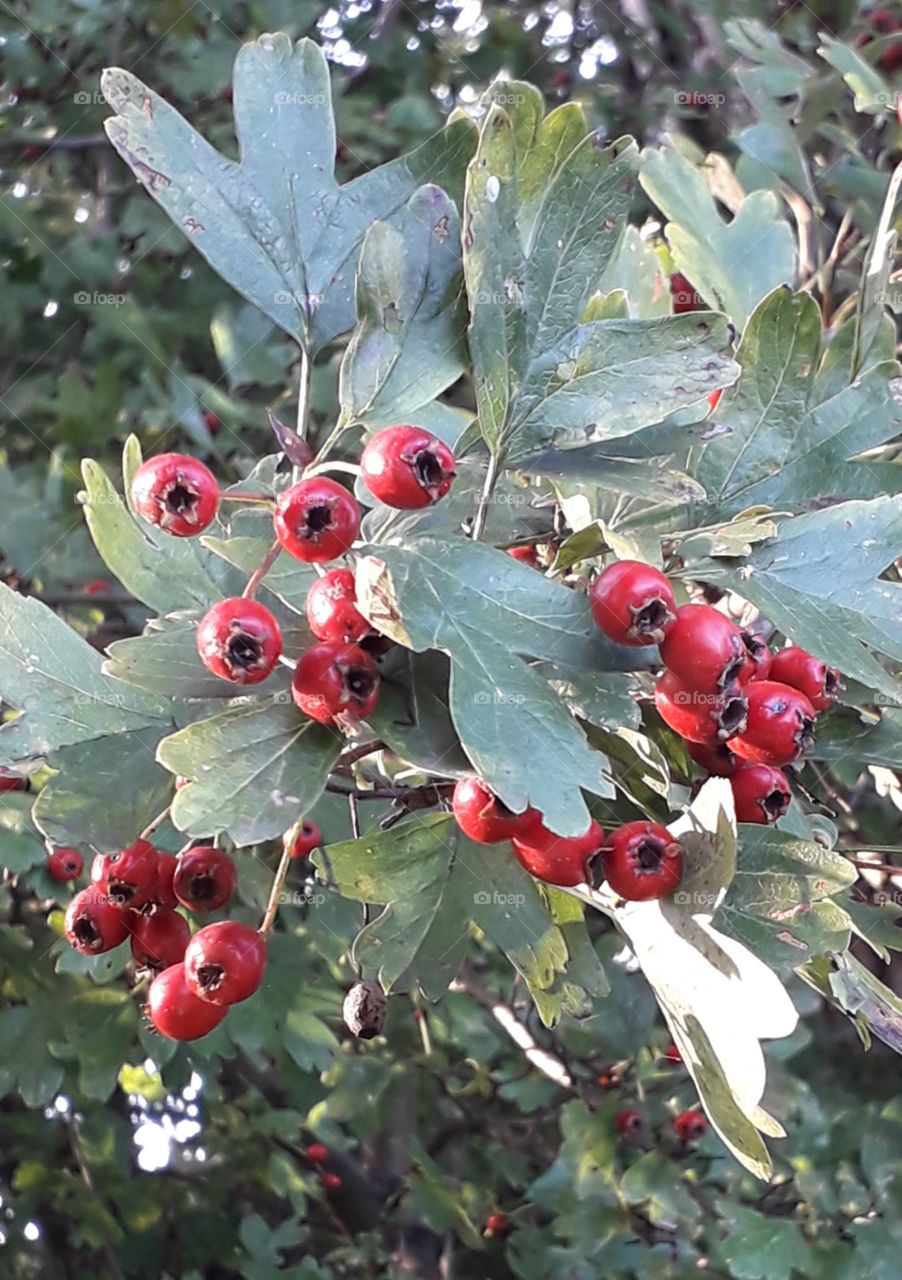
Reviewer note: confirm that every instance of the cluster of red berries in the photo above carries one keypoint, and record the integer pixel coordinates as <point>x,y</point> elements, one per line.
<point>317,1153</point>
<point>743,711</point>
<point>689,1126</point>
<point>316,520</point>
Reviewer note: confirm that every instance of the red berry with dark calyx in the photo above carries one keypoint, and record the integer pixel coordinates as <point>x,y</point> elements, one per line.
<point>239,640</point>
<point>317,1153</point>
<point>177,493</point>
<point>672,1053</point>
<point>633,603</point>
<point>158,938</point>
<point>10,781</point>
<point>779,726</point>
<point>703,718</point>
<point>483,817</point>
<point>526,555</point>
<point>642,861</point>
<point>760,793</point>
<point>332,612</point>
<point>65,864</point>
<point>562,860</point>
<point>629,1122</point>
<point>128,876</point>
<point>176,1012</point>
<point>407,467</point>
<point>336,683</point>
<point>684,296</point>
<point>225,962</point>
<point>204,879</point>
<point>797,667</point>
<point>690,1126</point>
<point>715,758</point>
<point>704,649</point>
<point>758,658</point>
<point>163,890</point>
<point>94,923</point>
<point>331,1182</point>
<point>301,840</point>
<point>316,520</point>
<point>498,1226</point>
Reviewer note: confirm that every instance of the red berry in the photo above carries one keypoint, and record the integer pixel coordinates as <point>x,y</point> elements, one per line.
<point>10,781</point>
<point>760,793</point>
<point>212,423</point>
<point>239,640</point>
<point>629,1122</point>
<point>205,878</point>
<point>714,399</point>
<point>331,1181</point>
<point>65,864</point>
<point>642,861</point>
<point>690,1126</point>
<point>715,757</point>
<point>302,839</point>
<point>558,859</point>
<point>672,1053</point>
<point>174,1009</point>
<point>98,587</point>
<point>704,649</point>
<point>407,467</point>
<point>128,876</point>
<point>159,938</point>
<point>706,718</point>
<point>526,555</point>
<point>336,683</point>
<point>94,923</point>
<point>332,612</point>
<point>780,724</point>
<point>498,1226</point>
<point>176,493</point>
<point>803,671</point>
<point>316,1153</point>
<point>633,603</point>
<point>684,296</point>
<point>758,658</point>
<point>316,520</point>
<point>163,891</point>
<point>225,962</point>
<point>482,816</point>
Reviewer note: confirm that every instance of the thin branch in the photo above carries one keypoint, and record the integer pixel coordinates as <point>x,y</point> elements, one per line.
<point>261,571</point>
<point>275,892</point>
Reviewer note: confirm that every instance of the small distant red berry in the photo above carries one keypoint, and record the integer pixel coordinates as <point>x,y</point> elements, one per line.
<point>407,467</point>
<point>629,1122</point>
<point>672,1053</point>
<point>498,1226</point>
<point>561,860</point>
<point>797,667</point>
<point>760,793</point>
<point>633,603</point>
<point>690,1126</point>
<point>316,1153</point>
<point>94,923</point>
<point>714,399</point>
<point>642,861</point>
<point>526,555</point>
<point>332,612</point>
<point>65,864</point>
<point>780,724</point>
<point>482,816</point>
<point>302,841</point>
<point>10,781</point>
<point>239,640</point>
<point>158,938</point>
<point>225,962</point>
<point>177,493</point>
<point>316,520</point>
<point>176,1012</point>
<point>212,423</point>
<point>336,683</point>
<point>703,649</point>
<point>331,1181</point>
<point>205,878</point>
<point>98,587</point>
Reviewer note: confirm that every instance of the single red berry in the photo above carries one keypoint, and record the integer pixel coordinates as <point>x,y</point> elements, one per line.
<point>706,718</point>
<point>332,612</point>
<point>163,892</point>
<point>211,422</point>
<point>159,938</point>
<point>690,1126</point>
<point>498,1226</point>
<point>558,859</point>
<point>684,296</point>
<point>316,520</point>
<point>98,587</point>
<point>803,671</point>
<point>239,640</point>
<point>758,658</point>
<point>672,1053</point>
<point>331,1181</point>
<point>483,817</point>
<point>128,876</point>
<point>407,467</point>
<point>715,758</point>
<point>303,839</point>
<point>526,555</point>
<point>760,793</point>
<point>629,1122</point>
<point>174,1009</point>
<point>336,683</point>
<point>176,493</point>
<point>317,1153</point>
<point>65,864</point>
<point>704,649</point>
<point>714,399</point>
<point>94,923</point>
<point>633,603</point>
<point>779,726</point>
<point>181,782</point>
<point>32,151</point>
<point>10,781</point>
<point>642,861</point>
<point>225,962</point>
<point>204,879</point>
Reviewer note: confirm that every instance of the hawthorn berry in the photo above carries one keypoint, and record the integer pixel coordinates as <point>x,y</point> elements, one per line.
<point>498,1226</point>
<point>317,1153</point>
<point>714,399</point>
<point>557,859</point>
<point>672,1053</point>
<point>65,864</point>
<point>779,725</point>
<point>715,757</point>
<point>10,781</point>
<point>482,816</point>
<point>336,683</point>
<point>407,467</point>
<point>94,922</point>
<point>526,555</point>
<point>177,493</point>
<point>98,587</point>
<point>302,839</point>
<point>239,640</point>
<point>684,296</point>
<point>331,1181</point>
<point>703,649</point>
<point>205,878</point>
<point>629,1122</point>
<point>158,938</point>
<point>225,962</point>
<point>803,671</point>
<point>642,861</point>
<point>128,876</point>
<point>175,1011</point>
<point>758,657</point>
<point>703,718</point>
<point>760,793</point>
<point>633,603</point>
<point>163,892</point>
<point>690,1126</point>
<point>316,520</point>
<point>332,612</point>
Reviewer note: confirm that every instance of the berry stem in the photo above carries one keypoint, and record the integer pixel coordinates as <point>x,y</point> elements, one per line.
<point>157,822</point>
<point>275,893</point>
<point>331,439</point>
<point>320,468</point>
<point>303,404</point>
<point>864,865</point>
<point>491,479</point>
<point>261,571</point>
<point>245,497</point>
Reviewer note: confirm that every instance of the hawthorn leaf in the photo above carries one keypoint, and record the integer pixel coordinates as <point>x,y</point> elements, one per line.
<point>759,1246</point>
<point>871,1005</point>
<point>413,717</point>
<point>867,738</point>
<point>878,266</point>
<point>164,660</point>
<point>871,92</point>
